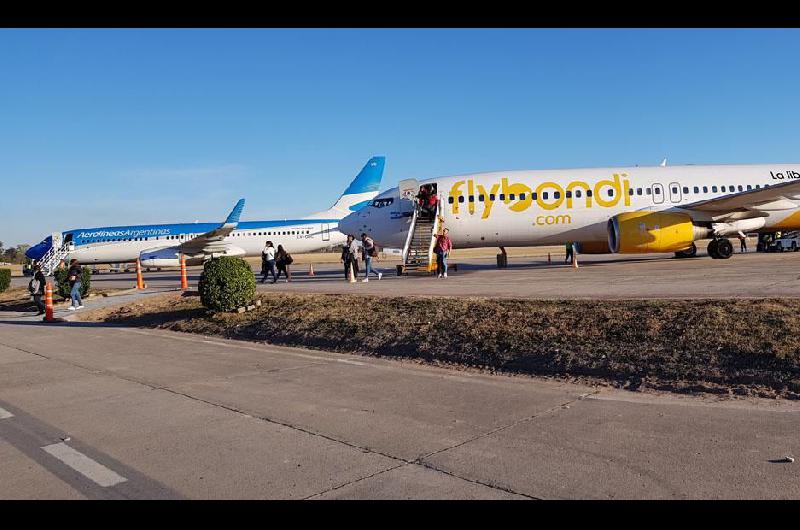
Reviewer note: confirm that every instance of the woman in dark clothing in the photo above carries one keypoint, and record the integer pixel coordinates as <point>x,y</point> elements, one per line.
<point>282,261</point>
<point>38,291</point>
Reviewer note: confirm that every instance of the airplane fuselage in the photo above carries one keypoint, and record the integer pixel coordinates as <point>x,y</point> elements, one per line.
<point>518,208</point>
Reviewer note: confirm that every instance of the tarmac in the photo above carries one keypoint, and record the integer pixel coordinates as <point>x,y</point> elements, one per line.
<point>749,275</point>
<point>102,412</point>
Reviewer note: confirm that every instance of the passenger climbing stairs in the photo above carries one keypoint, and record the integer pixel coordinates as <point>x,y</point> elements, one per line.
<point>418,257</point>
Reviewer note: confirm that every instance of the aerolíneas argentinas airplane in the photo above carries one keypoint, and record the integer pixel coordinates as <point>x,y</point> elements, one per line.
<point>161,245</point>
<point>625,210</point>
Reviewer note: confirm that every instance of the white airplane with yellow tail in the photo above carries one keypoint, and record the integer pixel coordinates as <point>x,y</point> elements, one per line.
<point>628,210</point>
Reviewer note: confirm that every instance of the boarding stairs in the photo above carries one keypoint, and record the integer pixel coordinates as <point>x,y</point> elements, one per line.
<point>53,258</point>
<point>418,255</point>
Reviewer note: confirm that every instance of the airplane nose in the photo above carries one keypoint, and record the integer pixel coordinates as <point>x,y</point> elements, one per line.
<point>348,224</point>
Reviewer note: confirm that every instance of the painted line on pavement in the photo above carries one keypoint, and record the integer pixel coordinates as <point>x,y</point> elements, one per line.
<point>4,414</point>
<point>84,465</point>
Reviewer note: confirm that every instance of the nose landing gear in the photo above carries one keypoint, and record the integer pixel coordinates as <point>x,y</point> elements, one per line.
<point>720,249</point>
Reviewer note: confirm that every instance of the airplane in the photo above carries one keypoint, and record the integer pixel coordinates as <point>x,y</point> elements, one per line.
<point>626,210</point>
<point>161,245</point>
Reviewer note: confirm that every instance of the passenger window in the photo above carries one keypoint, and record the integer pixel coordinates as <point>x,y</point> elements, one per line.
<point>511,196</point>
<point>577,193</point>
<point>758,186</point>
<point>648,191</point>
<point>749,187</point>
<point>544,195</point>
<point>533,195</point>
<point>471,198</point>
<point>686,189</point>
<point>610,192</point>
<point>696,189</point>
<point>705,189</point>
<point>714,189</point>
<point>491,196</point>
<point>658,191</point>
<point>522,196</point>
<point>502,196</point>
<point>556,194</point>
<point>460,198</point>
<point>740,187</point>
<point>638,191</point>
<point>568,194</point>
<point>630,191</point>
<point>588,193</point>
<point>451,199</point>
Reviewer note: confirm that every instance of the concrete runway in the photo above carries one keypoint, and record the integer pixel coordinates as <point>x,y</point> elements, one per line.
<point>753,274</point>
<point>92,411</point>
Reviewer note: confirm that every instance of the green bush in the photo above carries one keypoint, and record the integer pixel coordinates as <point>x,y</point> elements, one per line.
<point>5,279</point>
<point>62,282</point>
<point>226,283</point>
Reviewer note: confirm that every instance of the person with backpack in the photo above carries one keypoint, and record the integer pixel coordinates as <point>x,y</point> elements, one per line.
<point>350,257</point>
<point>268,263</point>
<point>36,288</point>
<point>74,276</point>
<point>442,249</point>
<point>282,260</point>
<point>369,251</point>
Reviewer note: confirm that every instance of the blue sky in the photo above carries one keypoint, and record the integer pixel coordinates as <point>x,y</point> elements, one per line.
<point>126,126</point>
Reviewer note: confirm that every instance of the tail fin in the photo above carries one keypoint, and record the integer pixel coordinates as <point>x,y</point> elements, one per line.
<point>363,189</point>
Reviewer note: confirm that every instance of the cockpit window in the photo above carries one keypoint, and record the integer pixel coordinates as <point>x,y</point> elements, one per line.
<point>380,203</point>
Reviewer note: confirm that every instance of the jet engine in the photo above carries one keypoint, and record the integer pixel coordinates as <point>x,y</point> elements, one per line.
<point>171,256</point>
<point>641,232</point>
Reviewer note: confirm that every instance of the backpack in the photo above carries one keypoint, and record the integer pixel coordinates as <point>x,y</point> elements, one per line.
<point>288,259</point>
<point>34,285</point>
<point>372,251</point>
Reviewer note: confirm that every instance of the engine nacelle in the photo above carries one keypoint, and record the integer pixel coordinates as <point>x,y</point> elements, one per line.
<point>160,257</point>
<point>642,232</point>
<point>171,256</point>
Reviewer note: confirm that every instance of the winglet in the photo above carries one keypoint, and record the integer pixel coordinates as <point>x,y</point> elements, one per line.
<point>233,217</point>
<point>663,163</point>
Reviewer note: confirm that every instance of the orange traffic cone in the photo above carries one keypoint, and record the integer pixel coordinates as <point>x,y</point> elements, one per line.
<point>48,302</point>
<point>311,269</point>
<point>139,280</point>
<point>184,280</point>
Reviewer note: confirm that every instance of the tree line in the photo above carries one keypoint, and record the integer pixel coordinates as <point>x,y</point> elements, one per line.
<point>13,254</point>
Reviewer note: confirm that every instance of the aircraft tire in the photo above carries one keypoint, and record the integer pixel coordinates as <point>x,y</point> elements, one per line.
<point>724,249</point>
<point>712,249</point>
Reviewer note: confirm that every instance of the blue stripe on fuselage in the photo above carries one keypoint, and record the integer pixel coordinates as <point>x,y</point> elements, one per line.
<point>85,236</point>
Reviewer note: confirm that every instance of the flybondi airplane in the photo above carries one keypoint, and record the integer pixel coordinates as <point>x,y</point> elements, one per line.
<point>626,210</point>
<point>162,245</point>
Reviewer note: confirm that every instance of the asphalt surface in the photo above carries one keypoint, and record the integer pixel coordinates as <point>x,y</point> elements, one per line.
<point>751,275</point>
<point>94,411</point>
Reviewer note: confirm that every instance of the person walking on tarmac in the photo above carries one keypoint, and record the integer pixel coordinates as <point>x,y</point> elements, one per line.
<point>442,249</point>
<point>349,256</point>
<point>74,275</point>
<point>742,243</point>
<point>36,288</point>
<point>268,263</point>
<point>369,251</point>
<point>282,260</point>
<point>569,252</point>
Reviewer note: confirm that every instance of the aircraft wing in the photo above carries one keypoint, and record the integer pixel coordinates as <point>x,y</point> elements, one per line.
<point>212,241</point>
<point>774,197</point>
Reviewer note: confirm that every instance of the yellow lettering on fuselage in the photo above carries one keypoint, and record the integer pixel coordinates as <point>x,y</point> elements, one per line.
<point>615,188</point>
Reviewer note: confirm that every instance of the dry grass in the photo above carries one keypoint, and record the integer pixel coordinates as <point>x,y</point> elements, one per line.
<point>739,346</point>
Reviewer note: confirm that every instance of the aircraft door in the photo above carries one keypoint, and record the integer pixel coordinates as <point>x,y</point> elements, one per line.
<point>658,193</point>
<point>326,232</point>
<point>56,236</point>
<point>675,192</point>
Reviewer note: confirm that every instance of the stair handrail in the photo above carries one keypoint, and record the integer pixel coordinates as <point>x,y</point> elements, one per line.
<point>410,234</point>
<point>437,219</point>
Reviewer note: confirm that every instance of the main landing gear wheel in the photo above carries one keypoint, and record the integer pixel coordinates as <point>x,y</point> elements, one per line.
<point>720,249</point>
<point>688,253</point>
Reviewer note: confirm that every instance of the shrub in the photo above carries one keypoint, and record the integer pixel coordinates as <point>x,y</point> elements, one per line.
<point>5,279</point>
<point>62,282</point>
<point>226,283</point>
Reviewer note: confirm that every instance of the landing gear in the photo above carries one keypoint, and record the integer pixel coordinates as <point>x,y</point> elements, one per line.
<point>720,249</point>
<point>688,253</point>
